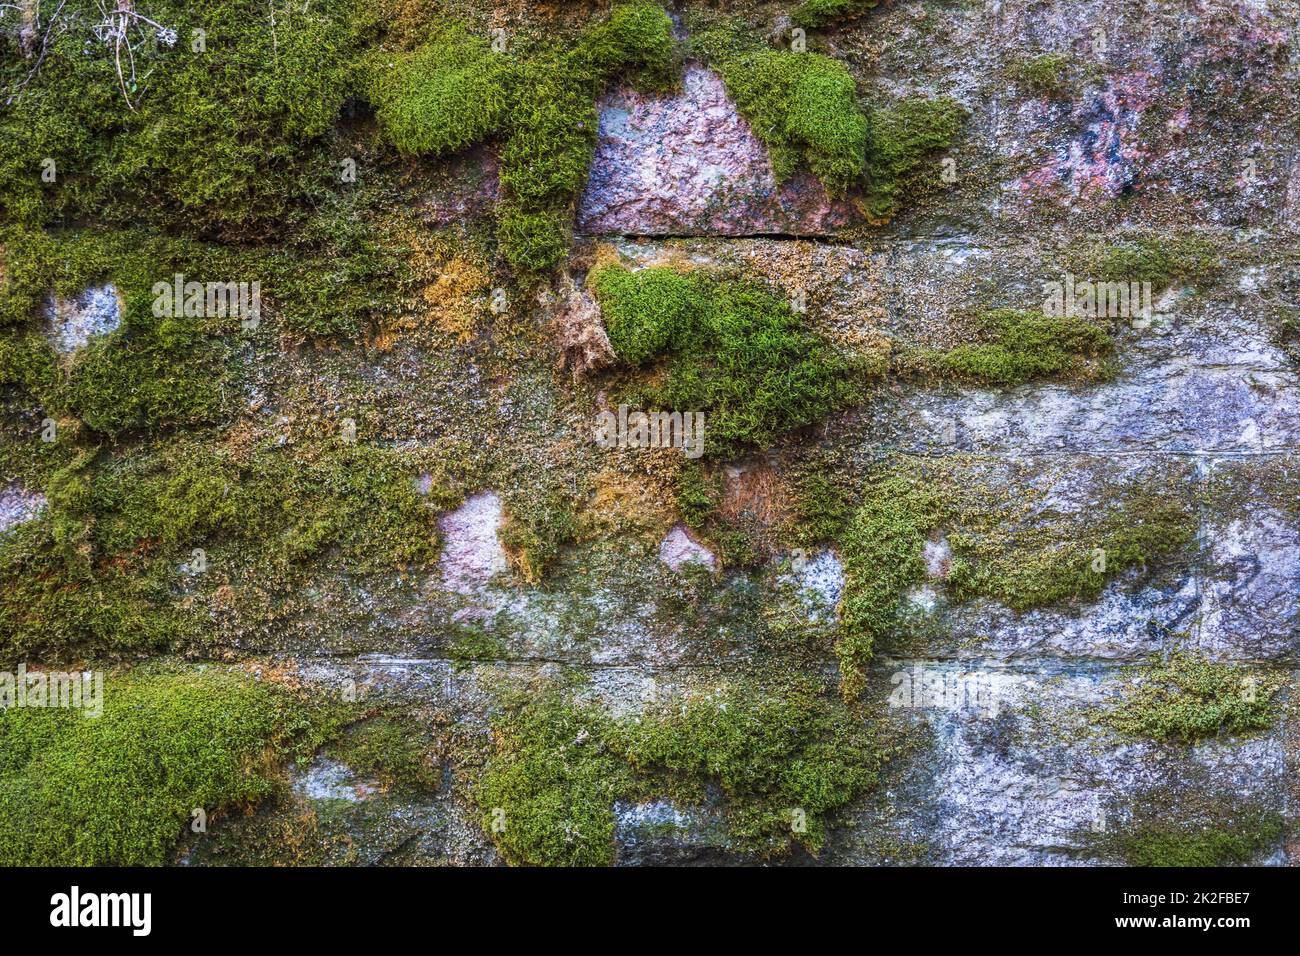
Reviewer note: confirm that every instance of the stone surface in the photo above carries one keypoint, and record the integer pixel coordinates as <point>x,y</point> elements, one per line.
<point>18,505</point>
<point>471,551</point>
<point>678,549</point>
<point>688,164</point>
<point>71,323</point>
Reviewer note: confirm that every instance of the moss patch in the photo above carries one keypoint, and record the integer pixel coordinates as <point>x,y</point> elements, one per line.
<point>1168,844</point>
<point>1003,547</point>
<point>1187,698</point>
<point>901,138</point>
<point>1143,257</point>
<point>1018,347</point>
<point>102,568</point>
<point>784,763</point>
<point>817,13</point>
<point>730,350</point>
<point>1047,75</point>
<point>119,789</point>
<point>803,106</point>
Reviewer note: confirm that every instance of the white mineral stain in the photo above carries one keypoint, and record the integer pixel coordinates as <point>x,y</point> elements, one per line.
<point>471,551</point>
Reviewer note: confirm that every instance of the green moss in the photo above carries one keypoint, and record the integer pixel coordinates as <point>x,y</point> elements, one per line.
<point>732,351</point>
<point>784,763</point>
<point>1187,698</point>
<point>455,90</point>
<point>552,125</point>
<point>1172,844</point>
<point>119,789</point>
<point>100,569</point>
<point>817,13</point>
<point>451,92</point>
<point>1143,257</point>
<point>882,552</point>
<point>823,501</point>
<point>1002,547</point>
<point>391,748</point>
<point>535,528</point>
<point>229,138</point>
<point>548,791</point>
<point>473,642</point>
<point>803,106</point>
<point>900,139</point>
<point>1050,559</point>
<point>1023,346</point>
<point>28,362</point>
<point>1046,75</point>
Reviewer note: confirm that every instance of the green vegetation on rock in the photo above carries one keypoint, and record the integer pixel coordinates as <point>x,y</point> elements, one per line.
<point>1143,257</point>
<point>732,351</point>
<point>451,92</point>
<point>882,554</point>
<point>227,138</point>
<point>1001,548</point>
<point>1046,75</point>
<point>1172,844</point>
<point>100,569</point>
<point>120,789</point>
<point>1021,346</point>
<point>901,138</point>
<point>1188,698</point>
<point>784,763</point>
<point>817,13</point>
<point>803,106</point>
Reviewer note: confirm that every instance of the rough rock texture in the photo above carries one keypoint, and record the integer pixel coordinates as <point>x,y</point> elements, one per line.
<point>688,164</point>
<point>1008,763</point>
<point>679,548</point>
<point>18,505</point>
<point>471,551</point>
<point>72,323</point>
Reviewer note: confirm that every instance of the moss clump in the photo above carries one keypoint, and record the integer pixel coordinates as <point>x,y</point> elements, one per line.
<point>552,125</point>
<point>261,101</point>
<point>1160,260</point>
<point>1021,346</point>
<point>391,748</point>
<point>1051,559</point>
<point>900,138</point>
<point>784,763</point>
<point>882,552</point>
<point>817,13</point>
<point>1188,698</point>
<point>1000,548</point>
<point>449,93</point>
<point>803,106</point>
<point>100,569</point>
<point>1046,75</point>
<point>548,790</point>
<point>153,372</point>
<point>732,351</point>
<point>1167,844</point>
<point>455,90</point>
<point>119,789</point>
<point>534,531</point>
